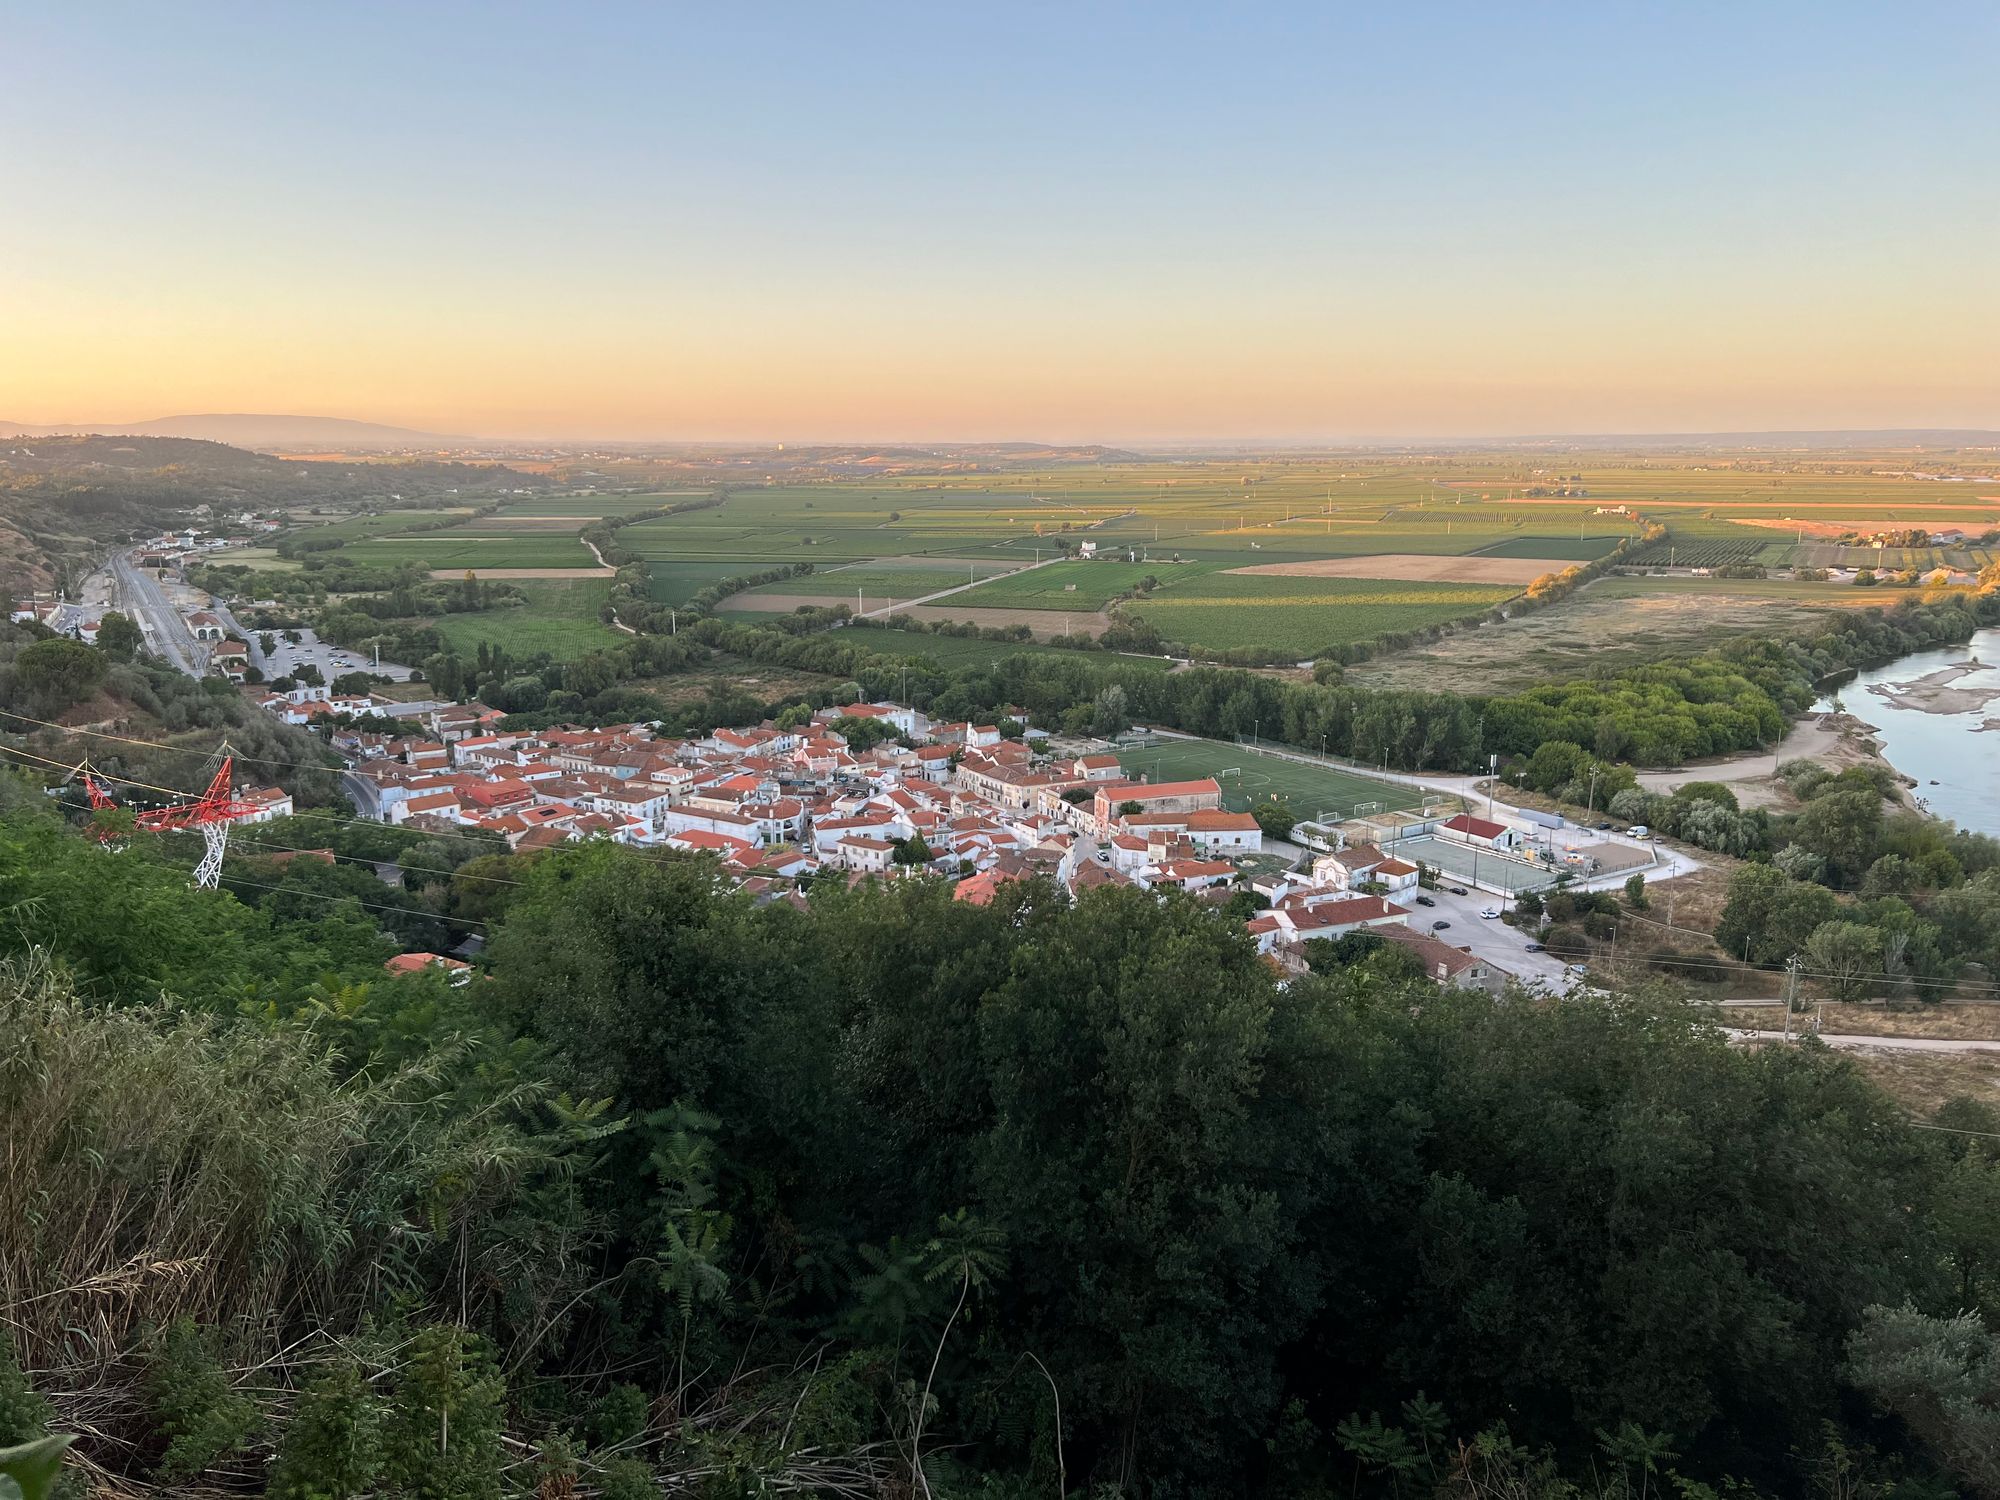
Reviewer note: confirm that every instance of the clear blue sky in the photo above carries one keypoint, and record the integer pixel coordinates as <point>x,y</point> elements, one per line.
<point>1021,220</point>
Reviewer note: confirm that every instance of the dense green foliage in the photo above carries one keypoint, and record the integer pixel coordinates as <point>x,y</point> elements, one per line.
<point>747,1195</point>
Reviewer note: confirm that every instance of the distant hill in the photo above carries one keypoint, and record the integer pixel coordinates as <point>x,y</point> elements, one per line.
<point>64,498</point>
<point>252,430</point>
<point>1864,438</point>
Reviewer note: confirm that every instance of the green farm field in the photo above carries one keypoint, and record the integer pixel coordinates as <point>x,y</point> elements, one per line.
<point>381,523</point>
<point>456,549</point>
<point>876,581</point>
<point>560,618</point>
<point>1305,616</point>
<point>1307,789</point>
<point>593,507</point>
<point>1077,585</point>
<point>1186,522</point>
<point>957,651</point>
<point>678,582</point>
<point>1567,548</point>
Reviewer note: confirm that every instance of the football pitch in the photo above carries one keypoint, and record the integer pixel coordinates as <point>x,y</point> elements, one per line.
<point>1250,776</point>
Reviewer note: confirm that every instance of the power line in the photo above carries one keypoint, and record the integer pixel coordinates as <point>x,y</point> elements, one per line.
<point>408,911</point>
<point>156,745</point>
<point>318,816</point>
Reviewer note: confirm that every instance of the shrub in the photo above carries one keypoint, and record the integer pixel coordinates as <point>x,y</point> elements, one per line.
<point>448,1386</point>
<point>332,1447</point>
<point>202,1415</point>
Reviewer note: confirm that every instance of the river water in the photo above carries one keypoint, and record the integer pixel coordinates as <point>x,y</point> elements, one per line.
<point>1937,715</point>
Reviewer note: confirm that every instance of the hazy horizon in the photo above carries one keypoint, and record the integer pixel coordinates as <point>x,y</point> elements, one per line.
<point>1186,445</point>
<point>1125,225</point>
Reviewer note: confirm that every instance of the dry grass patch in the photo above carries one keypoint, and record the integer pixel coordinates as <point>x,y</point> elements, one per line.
<point>1961,1021</point>
<point>1924,1082</point>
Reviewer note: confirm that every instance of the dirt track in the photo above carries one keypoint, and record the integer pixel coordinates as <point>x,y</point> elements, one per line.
<point>1417,568</point>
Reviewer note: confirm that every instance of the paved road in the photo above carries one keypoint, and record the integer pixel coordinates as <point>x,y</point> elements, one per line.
<point>138,594</point>
<point>361,792</point>
<point>1867,1043</point>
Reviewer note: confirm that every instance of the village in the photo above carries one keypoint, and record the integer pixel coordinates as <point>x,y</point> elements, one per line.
<point>865,791</point>
<point>877,790</point>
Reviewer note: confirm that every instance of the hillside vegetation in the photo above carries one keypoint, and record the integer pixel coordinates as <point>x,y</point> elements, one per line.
<point>893,1194</point>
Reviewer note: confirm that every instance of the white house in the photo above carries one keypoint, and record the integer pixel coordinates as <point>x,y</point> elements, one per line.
<point>270,802</point>
<point>1224,833</point>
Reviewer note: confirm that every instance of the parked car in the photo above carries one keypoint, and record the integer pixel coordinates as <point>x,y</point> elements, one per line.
<point>1490,913</point>
<point>1580,970</point>
<point>1637,831</point>
<point>1439,926</point>
<point>1457,890</point>
<point>1603,827</point>
<point>1425,901</point>
<point>1536,948</point>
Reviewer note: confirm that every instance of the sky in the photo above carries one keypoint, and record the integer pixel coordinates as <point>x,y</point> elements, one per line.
<point>1066,222</point>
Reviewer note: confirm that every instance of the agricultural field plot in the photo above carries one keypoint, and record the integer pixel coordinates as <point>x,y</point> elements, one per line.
<point>1833,595</point>
<point>1702,552</point>
<point>678,582</point>
<point>560,617</point>
<point>1410,568</point>
<point>1609,624</point>
<point>1305,616</point>
<point>457,549</point>
<point>1249,776</point>
<point>265,559</point>
<point>957,651</point>
<point>1568,548</point>
<point>378,524</point>
<point>839,524</point>
<point>584,508</point>
<point>1888,559</point>
<point>525,525</point>
<point>875,581</point>
<point>1076,585</point>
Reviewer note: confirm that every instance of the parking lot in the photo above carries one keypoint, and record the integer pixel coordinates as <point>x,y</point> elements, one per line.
<point>333,661</point>
<point>1488,937</point>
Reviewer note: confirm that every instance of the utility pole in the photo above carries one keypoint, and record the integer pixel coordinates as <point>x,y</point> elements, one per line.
<point>1791,991</point>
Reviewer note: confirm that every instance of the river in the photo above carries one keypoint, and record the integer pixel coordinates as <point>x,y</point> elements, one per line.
<point>1937,714</point>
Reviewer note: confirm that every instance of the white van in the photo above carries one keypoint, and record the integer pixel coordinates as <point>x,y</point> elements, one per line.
<point>1637,831</point>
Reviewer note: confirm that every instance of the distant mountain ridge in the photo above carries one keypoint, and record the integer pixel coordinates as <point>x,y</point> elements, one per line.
<point>254,430</point>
